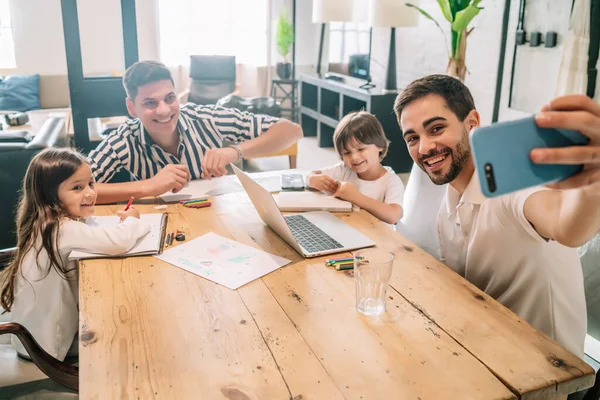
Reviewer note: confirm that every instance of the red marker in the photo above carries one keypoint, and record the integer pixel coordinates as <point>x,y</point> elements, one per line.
<point>128,203</point>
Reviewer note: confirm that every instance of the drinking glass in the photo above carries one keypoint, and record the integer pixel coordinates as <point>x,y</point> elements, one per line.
<point>372,272</point>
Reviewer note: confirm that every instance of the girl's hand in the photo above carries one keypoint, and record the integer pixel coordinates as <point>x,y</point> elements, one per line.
<point>346,191</point>
<point>323,182</point>
<point>132,212</point>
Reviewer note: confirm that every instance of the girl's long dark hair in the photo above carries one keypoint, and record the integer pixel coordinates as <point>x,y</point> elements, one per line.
<point>39,214</point>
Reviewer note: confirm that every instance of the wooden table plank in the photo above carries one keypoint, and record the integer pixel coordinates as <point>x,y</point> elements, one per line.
<point>171,334</point>
<point>151,330</point>
<point>529,363</point>
<point>397,355</point>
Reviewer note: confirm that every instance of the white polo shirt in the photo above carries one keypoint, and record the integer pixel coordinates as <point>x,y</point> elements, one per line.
<point>493,245</point>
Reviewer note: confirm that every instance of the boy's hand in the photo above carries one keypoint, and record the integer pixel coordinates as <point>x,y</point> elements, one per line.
<point>132,212</point>
<point>324,182</point>
<point>346,191</point>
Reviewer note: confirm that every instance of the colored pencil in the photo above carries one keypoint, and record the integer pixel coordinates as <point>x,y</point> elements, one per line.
<point>336,264</point>
<point>340,259</point>
<point>343,267</point>
<point>339,262</point>
<point>198,205</point>
<point>168,239</point>
<point>193,200</point>
<point>128,203</point>
<point>172,238</point>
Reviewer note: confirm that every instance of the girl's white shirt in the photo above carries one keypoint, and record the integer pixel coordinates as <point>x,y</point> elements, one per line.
<point>46,303</point>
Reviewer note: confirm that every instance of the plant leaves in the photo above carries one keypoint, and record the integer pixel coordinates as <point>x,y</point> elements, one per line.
<point>446,10</point>
<point>464,17</point>
<point>458,5</point>
<point>426,14</point>
<point>284,35</point>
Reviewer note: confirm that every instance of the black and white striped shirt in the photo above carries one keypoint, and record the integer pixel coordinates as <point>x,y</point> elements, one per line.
<point>201,128</point>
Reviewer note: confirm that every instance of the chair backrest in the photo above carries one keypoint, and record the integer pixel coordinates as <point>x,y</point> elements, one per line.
<point>14,160</point>
<point>212,78</point>
<point>422,200</point>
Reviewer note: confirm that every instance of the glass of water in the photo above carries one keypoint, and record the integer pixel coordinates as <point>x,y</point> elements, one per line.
<point>372,272</point>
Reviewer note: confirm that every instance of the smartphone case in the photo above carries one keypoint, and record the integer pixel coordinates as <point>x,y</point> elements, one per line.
<point>505,147</point>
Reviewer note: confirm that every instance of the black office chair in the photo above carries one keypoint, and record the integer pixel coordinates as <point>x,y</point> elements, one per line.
<point>213,77</point>
<point>213,81</point>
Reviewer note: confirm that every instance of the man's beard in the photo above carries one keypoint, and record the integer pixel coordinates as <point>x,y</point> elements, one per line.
<point>460,156</point>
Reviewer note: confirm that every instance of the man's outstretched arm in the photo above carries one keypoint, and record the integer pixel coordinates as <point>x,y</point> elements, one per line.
<point>279,136</point>
<point>172,177</point>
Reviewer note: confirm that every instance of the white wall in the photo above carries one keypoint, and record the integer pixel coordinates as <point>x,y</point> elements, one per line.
<point>423,50</point>
<point>40,44</point>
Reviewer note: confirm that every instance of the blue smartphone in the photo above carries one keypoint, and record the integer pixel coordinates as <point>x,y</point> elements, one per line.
<point>501,155</point>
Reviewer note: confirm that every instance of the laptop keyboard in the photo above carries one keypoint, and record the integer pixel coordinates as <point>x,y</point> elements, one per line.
<point>309,235</point>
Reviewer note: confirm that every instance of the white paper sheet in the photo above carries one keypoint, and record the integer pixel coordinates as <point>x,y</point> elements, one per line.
<point>270,180</point>
<point>222,261</point>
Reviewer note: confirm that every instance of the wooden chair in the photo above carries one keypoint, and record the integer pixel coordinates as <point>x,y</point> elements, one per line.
<point>63,373</point>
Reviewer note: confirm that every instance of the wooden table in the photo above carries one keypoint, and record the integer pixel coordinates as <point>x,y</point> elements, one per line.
<point>151,330</point>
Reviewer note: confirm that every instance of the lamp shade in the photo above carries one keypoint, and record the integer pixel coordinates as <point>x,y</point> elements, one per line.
<point>392,13</point>
<point>332,10</point>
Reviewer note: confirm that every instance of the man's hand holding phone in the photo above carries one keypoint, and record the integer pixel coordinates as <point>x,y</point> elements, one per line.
<point>580,113</point>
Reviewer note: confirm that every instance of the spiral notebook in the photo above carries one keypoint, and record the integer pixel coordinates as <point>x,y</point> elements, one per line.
<point>149,244</point>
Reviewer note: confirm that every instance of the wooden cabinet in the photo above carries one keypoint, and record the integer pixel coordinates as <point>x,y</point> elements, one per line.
<point>324,102</point>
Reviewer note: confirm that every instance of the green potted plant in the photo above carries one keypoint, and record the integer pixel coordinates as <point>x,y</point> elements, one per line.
<point>459,13</point>
<point>284,37</point>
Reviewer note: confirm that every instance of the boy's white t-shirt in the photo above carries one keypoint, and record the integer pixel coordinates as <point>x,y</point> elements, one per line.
<point>46,303</point>
<point>388,189</point>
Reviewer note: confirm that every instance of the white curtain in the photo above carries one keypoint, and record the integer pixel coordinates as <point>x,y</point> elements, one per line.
<point>224,27</point>
<point>572,75</point>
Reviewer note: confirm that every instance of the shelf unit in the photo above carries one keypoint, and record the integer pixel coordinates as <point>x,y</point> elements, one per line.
<point>324,102</point>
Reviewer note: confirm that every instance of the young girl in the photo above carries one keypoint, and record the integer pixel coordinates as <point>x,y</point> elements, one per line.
<point>40,285</point>
<point>360,178</point>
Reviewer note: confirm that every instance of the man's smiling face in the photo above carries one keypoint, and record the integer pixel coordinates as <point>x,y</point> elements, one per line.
<point>157,106</point>
<point>437,140</point>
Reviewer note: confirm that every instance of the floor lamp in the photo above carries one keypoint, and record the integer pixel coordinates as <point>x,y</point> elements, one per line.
<point>324,11</point>
<point>392,14</point>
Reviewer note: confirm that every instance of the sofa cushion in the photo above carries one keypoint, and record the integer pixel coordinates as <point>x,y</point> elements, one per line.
<point>54,91</point>
<point>20,92</point>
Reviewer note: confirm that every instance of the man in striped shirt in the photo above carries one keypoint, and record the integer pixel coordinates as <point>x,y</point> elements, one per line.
<point>168,144</point>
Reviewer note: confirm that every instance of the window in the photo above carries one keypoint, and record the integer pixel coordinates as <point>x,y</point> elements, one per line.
<point>7,45</point>
<point>224,27</point>
<point>347,38</point>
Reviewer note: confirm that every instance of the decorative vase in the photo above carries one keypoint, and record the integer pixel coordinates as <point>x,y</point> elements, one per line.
<point>457,65</point>
<point>284,70</point>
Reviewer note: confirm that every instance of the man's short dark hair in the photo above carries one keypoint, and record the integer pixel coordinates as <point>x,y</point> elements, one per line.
<point>453,91</point>
<point>144,72</point>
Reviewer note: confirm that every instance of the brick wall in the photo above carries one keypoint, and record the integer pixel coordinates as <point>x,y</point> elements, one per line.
<point>423,50</point>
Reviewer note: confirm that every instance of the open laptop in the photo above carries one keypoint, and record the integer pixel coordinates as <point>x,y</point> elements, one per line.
<point>311,234</point>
